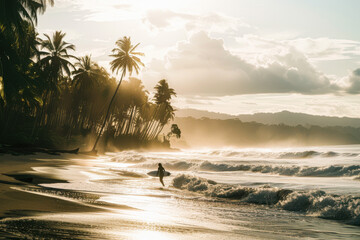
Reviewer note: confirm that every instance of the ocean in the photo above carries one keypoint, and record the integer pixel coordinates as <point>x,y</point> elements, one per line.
<point>230,193</point>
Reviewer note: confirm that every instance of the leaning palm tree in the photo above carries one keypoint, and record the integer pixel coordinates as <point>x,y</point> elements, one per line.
<point>163,111</point>
<point>125,60</point>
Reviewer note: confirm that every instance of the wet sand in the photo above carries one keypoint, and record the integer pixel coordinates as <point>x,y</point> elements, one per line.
<point>112,197</point>
<point>31,208</point>
<point>17,175</point>
<point>23,198</point>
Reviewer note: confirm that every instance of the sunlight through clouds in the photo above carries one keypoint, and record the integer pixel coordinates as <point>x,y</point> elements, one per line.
<point>179,119</point>
<point>169,20</point>
<point>220,51</point>
<point>316,49</point>
<point>202,65</point>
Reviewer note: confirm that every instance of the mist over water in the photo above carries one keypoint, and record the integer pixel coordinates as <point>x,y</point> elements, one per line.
<point>252,193</point>
<point>316,181</point>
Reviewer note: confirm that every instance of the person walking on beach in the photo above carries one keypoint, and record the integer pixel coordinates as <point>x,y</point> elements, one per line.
<point>160,173</point>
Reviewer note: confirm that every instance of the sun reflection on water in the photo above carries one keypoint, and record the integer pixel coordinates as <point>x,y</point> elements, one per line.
<point>145,234</point>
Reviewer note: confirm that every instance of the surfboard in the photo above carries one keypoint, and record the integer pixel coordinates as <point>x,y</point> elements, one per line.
<point>153,174</point>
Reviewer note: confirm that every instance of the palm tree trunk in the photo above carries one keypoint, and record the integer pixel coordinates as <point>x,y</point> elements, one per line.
<point>130,121</point>
<point>36,119</point>
<point>152,121</point>
<point>161,128</point>
<point>39,118</point>
<point>8,116</point>
<point>107,112</point>
<point>155,130</point>
<point>135,125</point>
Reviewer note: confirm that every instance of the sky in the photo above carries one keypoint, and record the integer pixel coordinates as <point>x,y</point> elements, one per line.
<point>229,56</point>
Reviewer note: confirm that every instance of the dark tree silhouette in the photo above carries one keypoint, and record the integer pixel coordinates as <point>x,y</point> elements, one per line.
<point>51,98</point>
<point>125,60</point>
<point>174,131</point>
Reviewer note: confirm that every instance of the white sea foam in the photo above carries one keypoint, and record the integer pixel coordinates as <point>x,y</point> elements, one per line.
<point>174,165</point>
<point>280,155</point>
<point>129,158</point>
<point>285,170</point>
<point>315,202</point>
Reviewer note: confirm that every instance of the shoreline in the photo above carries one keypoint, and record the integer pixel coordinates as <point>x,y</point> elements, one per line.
<point>104,198</point>
<point>17,174</point>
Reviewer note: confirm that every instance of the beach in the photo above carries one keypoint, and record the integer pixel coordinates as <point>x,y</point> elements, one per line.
<point>17,175</point>
<point>294,193</point>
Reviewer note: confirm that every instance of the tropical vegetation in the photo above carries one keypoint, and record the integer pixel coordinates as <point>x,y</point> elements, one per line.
<point>51,98</point>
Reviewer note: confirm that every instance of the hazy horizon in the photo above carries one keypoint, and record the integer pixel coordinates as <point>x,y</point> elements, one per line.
<point>188,112</point>
<point>94,143</point>
<point>265,56</point>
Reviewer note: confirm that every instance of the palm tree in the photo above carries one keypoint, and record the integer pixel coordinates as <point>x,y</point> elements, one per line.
<point>17,44</point>
<point>165,114</point>
<point>86,78</point>
<point>137,97</point>
<point>163,92</point>
<point>87,73</point>
<point>14,12</point>
<point>17,27</point>
<point>55,64</point>
<point>164,111</point>
<point>56,57</point>
<point>125,60</point>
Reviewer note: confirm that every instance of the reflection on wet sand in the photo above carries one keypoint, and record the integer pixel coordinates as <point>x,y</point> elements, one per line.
<point>101,199</point>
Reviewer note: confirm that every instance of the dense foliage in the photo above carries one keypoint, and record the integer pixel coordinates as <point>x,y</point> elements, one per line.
<point>51,98</point>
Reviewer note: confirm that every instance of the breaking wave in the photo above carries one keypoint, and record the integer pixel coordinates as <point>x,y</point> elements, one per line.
<point>315,203</point>
<point>129,158</point>
<point>279,155</point>
<point>305,171</point>
<point>285,170</point>
<point>177,165</point>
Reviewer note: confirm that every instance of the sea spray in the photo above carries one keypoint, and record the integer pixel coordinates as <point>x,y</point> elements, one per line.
<point>279,155</point>
<point>129,158</point>
<point>284,170</point>
<point>316,202</point>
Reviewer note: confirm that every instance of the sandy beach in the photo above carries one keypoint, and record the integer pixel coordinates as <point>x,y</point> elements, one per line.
<point>209,195</point>
<point>18,176</point>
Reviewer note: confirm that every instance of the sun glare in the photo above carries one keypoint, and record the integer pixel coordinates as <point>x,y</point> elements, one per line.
<point>163,4</point>
<point>140,235</point>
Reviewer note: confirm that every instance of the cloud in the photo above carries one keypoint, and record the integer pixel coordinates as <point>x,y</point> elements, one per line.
<point>70,35</point>
<point>316,49</point>
<point>161,19</point>
<point>122,6</point>
<point>101,11</point>
<point>202,66</point>
<point>158,19</point>
<point>354,82</point>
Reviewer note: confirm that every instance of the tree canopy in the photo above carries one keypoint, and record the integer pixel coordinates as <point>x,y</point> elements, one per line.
<point>51,97</point>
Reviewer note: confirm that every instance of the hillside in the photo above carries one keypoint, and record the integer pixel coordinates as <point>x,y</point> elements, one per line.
<point>233,132</point>
<point>284,117</point>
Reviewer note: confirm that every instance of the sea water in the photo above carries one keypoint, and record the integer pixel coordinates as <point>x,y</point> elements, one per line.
<point>230,193</point>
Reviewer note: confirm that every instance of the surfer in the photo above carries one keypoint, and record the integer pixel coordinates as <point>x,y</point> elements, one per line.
<point>160,173</point>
